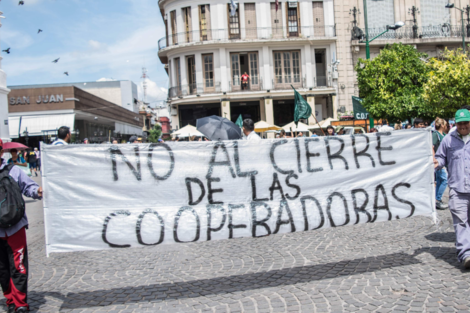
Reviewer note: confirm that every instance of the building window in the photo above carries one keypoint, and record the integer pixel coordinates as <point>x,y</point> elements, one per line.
<point>235,69</point>
<point>207,60</point>
<point>234,24</point>
<point>254,68</point>
<point>191,67</point>
<point>188,36</point>
<point>293,19</point>
<point>174,36</point>
<point>204,22</point>
<point>178,75</point>
<point>287,69</point>
<point>242,63</point>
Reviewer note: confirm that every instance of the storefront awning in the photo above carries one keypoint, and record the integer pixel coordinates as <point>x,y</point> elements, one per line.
<point>127,129</point>
<point>37,125</point>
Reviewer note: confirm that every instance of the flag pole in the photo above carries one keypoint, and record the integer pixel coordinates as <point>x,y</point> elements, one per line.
<point>318,124</point>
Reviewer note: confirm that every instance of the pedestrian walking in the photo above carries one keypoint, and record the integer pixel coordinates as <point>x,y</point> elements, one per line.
<point>454,153</point>
<point>63,136</point>
<point>441,175</point>
<point>38,159</point>
<point>16,158</point>
<point>249,130</point>
<point>32,162</point>
<point>13,249</point>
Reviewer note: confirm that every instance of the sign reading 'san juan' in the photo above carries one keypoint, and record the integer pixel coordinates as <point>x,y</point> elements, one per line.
<point>131,195</point>
<point>40,99</point>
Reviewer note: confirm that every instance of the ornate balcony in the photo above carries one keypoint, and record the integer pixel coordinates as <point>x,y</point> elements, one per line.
<point>247,34</point>
<point>413,32</point>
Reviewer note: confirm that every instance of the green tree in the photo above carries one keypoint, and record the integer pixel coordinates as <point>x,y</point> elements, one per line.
<point>155,133</point>
<point>448,86</point>
<point>392,83</point>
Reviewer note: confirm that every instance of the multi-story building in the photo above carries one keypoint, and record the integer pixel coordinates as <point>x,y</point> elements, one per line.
<point>209,45</point>
<point>429,26</point>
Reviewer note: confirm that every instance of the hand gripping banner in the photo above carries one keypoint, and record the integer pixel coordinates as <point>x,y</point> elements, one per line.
<point>133,195</point>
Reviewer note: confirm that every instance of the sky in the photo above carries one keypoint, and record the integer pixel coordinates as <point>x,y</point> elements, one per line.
<point>94,39</point>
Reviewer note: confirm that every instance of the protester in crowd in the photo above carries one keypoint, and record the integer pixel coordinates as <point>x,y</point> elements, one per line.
<point>419,123</point>
<point>63,136</point>
<point>408,126</point>
<point>314,134</point>
<point>249,130</point>
<point>283,134</point>
<point>134,139</point>
<point>373,130</point>
<point>300,134</point>
<point>245,78</point>
<point>465,107</point>
<point>14,269</point>
<point>385,127</point>
<point>330,131</point>
<point>16,158</point>
<point>441,175</point>
<point>453,152</point>
<point>340,130</point>
<point>32,158</point>
<point>115,142</point>
<point>38,159</point>
<point>278,136</point>
<point>86,141</point>
<point>397,126</point>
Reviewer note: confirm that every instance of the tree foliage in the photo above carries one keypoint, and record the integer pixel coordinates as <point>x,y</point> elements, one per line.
<point>392,84</point>
<point>155,133</point>
<point>448,86</point>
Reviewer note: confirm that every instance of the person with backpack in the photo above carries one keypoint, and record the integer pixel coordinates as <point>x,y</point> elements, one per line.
<point>14,183</point>
<point>32,159</point>
<point>441,174</point>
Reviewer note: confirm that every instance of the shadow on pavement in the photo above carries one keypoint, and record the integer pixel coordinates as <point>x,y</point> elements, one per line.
<point>223,285</point>
<point>442,237</point>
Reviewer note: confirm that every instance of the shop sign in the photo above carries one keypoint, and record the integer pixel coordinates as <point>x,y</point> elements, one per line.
<point>39,100</point>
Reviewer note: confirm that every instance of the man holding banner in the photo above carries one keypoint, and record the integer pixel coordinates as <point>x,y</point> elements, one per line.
<point>454,153</point>
<point>13,249</point>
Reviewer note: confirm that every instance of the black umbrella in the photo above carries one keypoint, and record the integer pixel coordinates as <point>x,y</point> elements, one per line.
<point>218,128</point>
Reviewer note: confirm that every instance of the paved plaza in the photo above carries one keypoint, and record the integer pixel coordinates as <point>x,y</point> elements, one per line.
<point>406,265</point>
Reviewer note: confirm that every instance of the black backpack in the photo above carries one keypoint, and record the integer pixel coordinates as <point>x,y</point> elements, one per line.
<point>12,205</point>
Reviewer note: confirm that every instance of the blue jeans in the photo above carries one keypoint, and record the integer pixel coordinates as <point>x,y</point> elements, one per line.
<point>441,183</point>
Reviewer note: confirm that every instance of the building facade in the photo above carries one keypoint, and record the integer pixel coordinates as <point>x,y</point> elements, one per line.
<point>209,45</point>
<point>35,114</point>
<point>120,92</point>
<point>4,131</point>
<point>429,26</point>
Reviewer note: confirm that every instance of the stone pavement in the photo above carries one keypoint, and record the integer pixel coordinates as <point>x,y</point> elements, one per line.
<point>406,265</point>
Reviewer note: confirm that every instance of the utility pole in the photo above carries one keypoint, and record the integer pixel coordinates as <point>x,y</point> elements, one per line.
<point>144,82</point>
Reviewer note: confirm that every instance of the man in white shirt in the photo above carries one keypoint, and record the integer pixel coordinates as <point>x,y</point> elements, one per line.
<point>249,130</point>
<point>63,136</point>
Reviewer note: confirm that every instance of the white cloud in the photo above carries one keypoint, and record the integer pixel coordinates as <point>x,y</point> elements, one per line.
<point>17,39</point>
<point>97,46</point>
<point>154,92</point>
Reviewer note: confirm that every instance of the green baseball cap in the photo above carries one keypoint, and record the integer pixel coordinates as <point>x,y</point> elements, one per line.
<point>462,115</point>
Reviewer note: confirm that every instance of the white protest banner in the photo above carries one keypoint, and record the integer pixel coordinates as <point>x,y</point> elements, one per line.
<point>131,195</point>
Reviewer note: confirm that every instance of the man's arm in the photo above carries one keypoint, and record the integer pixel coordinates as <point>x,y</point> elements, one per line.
<point>28,186</point>
<point>440,157</point>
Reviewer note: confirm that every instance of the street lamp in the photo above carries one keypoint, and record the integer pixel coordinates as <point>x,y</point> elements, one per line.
<point>450,6</point>
<point>26,135</point>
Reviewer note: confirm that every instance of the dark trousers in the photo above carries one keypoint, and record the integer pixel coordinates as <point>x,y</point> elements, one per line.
<point>14,268</point>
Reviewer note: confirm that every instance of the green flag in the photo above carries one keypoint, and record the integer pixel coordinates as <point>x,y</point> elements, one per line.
<point>239,121</point>
<point>302,108</point>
